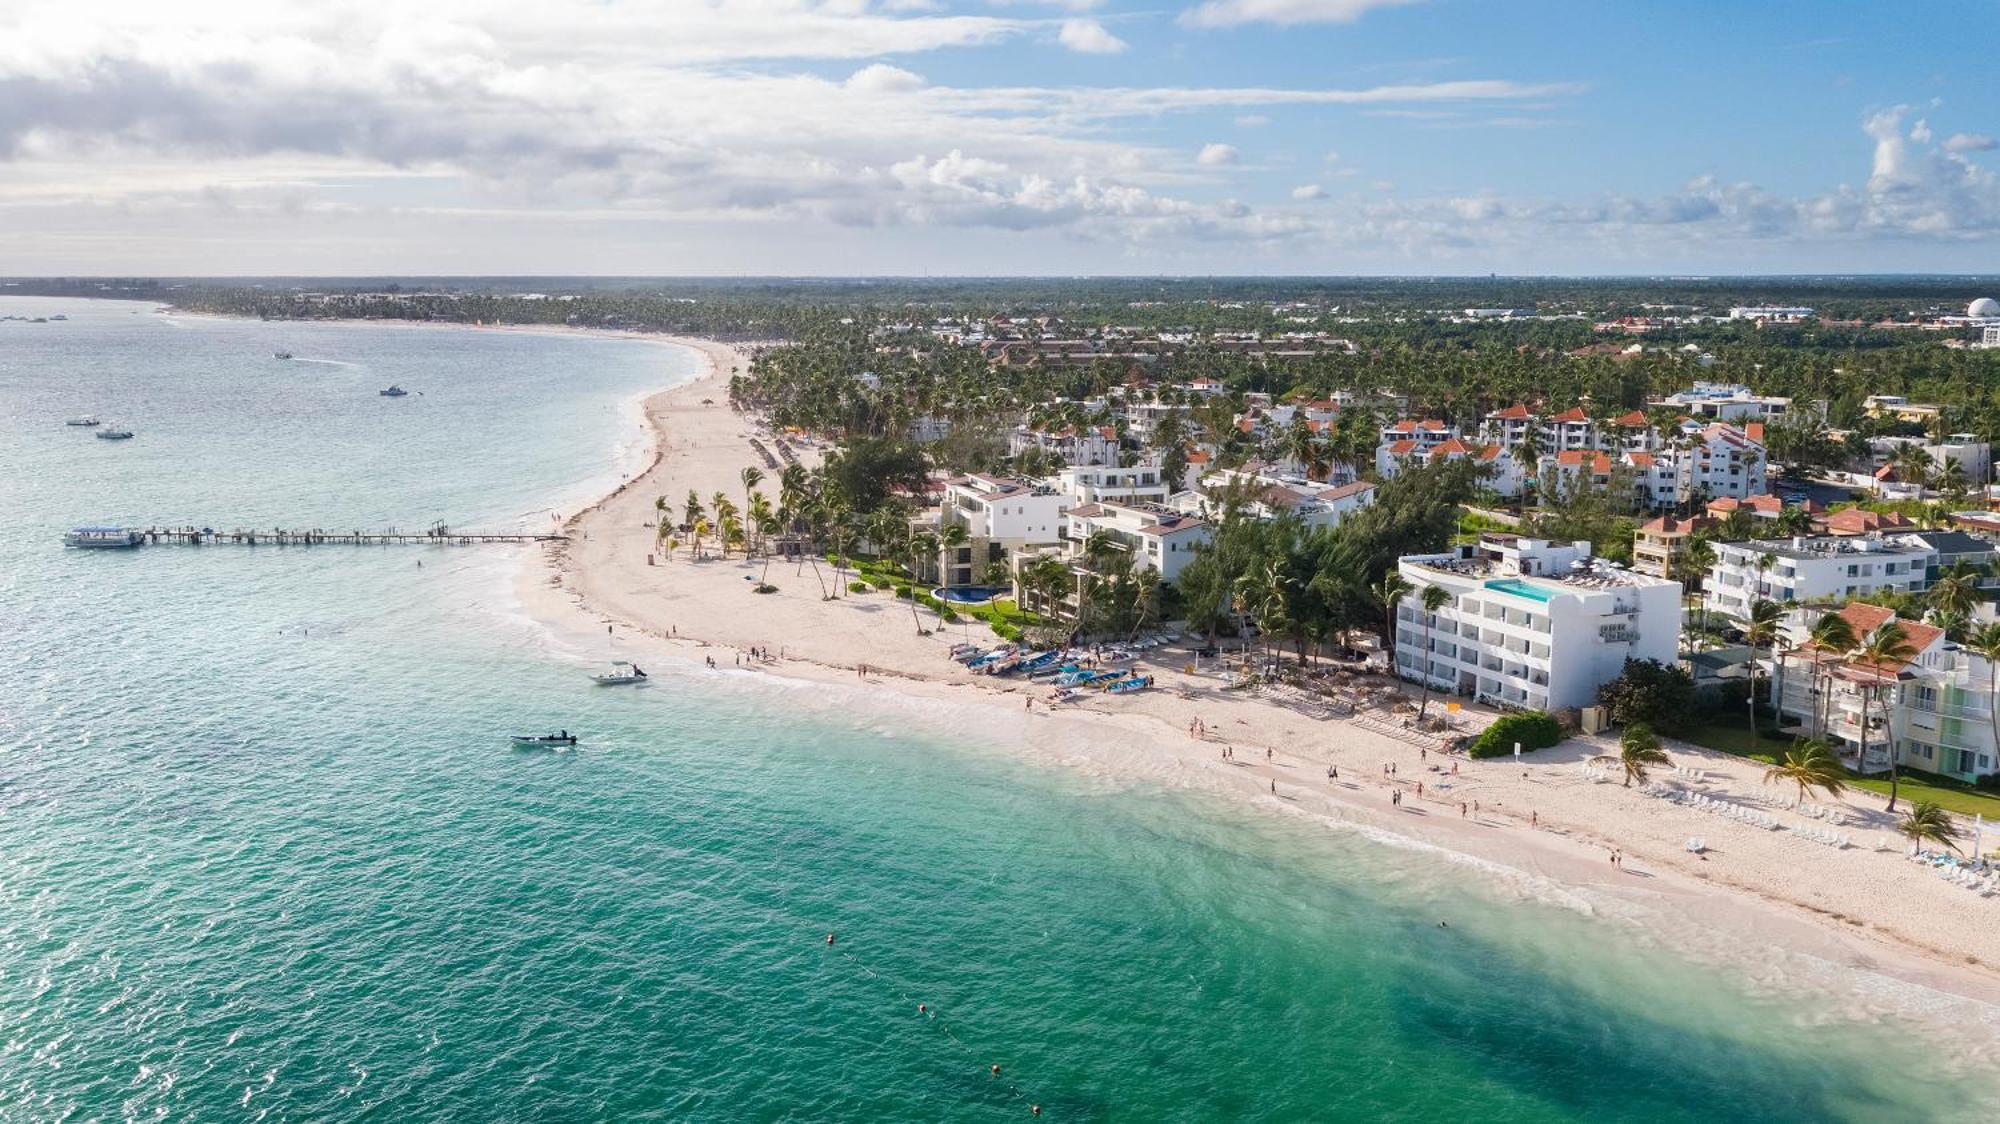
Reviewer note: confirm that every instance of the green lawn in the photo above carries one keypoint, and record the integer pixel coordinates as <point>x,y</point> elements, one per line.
<point>1734,738</point>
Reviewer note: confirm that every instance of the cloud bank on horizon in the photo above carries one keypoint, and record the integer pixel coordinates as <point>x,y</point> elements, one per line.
<point>973,136</point>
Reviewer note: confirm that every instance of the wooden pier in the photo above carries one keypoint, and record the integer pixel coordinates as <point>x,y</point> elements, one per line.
<point>436,535</point>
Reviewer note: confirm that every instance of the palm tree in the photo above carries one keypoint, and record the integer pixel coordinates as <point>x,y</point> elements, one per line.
<point>1957,589</point>
<point>751,476</point>
<point>1928,821</point>
<point>1986,642</point>
<point>1793,521</point>
<point>691,510</point>
<point>1435,597</point>
<point>1810,763</point>
<point>1689,569</point>
<point>1832,637</point>
<point>761,517</point>
<point>1147,605</point>
<point>1760,631</point>
<point>952,538</point>
<point>1097,546</point>
<point>1885,652</point>
<point>923,545</point>
<point>1389,591</point>
<point>1639,747</point>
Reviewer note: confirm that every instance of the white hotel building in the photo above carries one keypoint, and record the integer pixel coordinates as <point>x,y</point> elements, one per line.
<point>1530,623</point>
<point>1826,567</point>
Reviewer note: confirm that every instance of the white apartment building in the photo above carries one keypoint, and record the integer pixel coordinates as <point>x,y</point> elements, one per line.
<point>1729,402</point>
<point>1782,313</point>
<point>1933,713</point>
<point>1826,567</point>
<point>1139,484</point>
<point>1156,537</point>
<point>1267,495</point>
<point>1089,445</point>
<point>1571,429</point>
<point>1530,623</point>
<point>1411,435</point>
<point>1000,516</point>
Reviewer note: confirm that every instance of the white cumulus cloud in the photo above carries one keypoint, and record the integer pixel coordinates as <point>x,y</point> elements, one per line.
<point>1217,155</point>
<point>1230,13</point>
<point>1089,37</point>
<point>1308,191</point>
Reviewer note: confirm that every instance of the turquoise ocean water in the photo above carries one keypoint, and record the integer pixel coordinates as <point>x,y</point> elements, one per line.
<point>264,852</point>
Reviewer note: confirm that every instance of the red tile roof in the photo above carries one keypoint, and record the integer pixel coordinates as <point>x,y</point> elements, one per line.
<point>1573,414</point>
<point>1516,412</point>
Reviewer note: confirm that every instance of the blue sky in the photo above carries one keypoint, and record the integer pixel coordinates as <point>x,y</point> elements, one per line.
<point>996,136</point>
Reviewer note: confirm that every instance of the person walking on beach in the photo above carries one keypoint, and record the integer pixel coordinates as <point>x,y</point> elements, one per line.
<point>1534,819</point>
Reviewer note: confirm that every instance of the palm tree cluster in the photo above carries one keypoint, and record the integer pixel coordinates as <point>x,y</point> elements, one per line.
<point>1308,586</point>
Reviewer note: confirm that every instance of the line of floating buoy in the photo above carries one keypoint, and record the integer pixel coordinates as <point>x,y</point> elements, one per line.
<point>924,1009</point>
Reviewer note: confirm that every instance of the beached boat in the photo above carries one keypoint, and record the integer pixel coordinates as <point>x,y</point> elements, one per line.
<point>1032,663</point>
<point>544,741</point>
<point>1084,677</point>
<point>103,538</point>
<point>1126,686</point>
<point>114,432</point>
<point>393,391</point>
<point>85,421</point>
<point>622,672</point>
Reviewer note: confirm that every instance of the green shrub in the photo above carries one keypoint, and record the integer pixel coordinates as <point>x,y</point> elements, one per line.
<point>947,614</point>
<point>880,581</point>
<point>1653,694</point>
<point>858,587</point>
<point>1534,729</point>
<point>905,592</point>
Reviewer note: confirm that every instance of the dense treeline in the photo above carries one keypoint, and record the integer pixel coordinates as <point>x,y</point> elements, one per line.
<point>1400,327</point>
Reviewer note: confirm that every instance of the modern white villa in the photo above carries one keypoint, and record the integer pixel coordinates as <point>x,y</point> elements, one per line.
<point>1531,623</point>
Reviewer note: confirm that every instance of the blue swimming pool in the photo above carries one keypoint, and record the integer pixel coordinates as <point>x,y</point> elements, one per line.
<point>971,594</point>
<point>1519,588</point>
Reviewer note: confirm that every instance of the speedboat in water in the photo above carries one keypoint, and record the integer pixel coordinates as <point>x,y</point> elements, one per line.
<point>114,432</point>
<point>622,672</point>
<point>85,421</point>
<point>393,392</point>
<point>103,538</point>
<point>560,740</point>
<point>281,355</point>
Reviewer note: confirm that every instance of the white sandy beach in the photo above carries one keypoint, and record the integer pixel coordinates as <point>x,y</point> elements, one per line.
<point>1543,824</point>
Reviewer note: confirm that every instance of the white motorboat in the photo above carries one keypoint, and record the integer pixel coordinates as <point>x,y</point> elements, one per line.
<point>393,392</point>
<point>560,740</point>
<point>622,672</point>
<point>86,421</point>
<point>103,538</point>
<point>114,432</point>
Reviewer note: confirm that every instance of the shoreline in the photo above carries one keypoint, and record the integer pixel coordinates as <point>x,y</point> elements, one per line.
<point>681,611</point>
<point>1764,891</point>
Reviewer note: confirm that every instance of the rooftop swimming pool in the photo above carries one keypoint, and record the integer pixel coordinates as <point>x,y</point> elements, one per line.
<point>1520,588</point>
